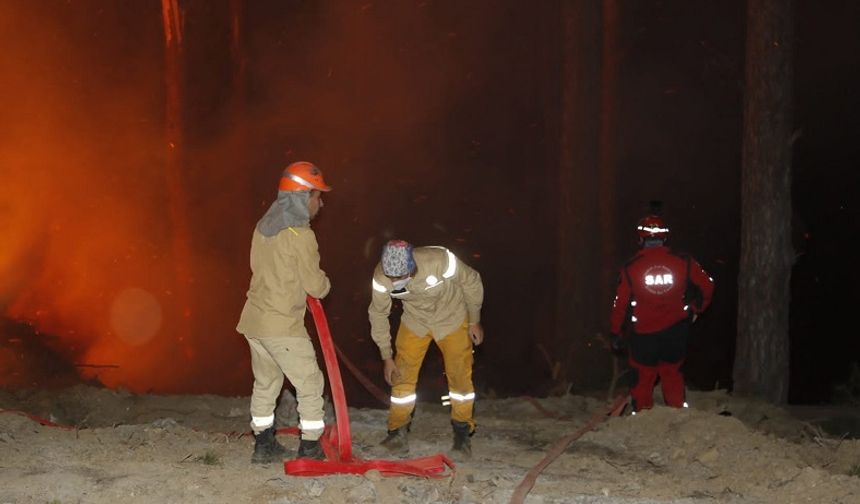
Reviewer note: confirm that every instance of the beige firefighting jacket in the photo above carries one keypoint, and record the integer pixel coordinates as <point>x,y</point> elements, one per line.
<point>285,270</point>
<point>443,293</point>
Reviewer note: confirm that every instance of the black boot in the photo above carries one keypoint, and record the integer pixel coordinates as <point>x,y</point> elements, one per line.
<point>462,438</point>
<point>267,449</point>
<point>311,449</point>
<point>397,440</point>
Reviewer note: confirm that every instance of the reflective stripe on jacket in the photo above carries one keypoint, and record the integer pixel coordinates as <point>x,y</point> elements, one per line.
<point>652,291</point>
<point>444,292</point>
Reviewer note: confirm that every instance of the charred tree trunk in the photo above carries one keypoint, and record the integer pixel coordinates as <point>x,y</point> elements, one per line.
<point>606,148</point>
<point>236,48</point>
<point>172,19</point>
<point>762,353</point>
<point>238,106</point>
<point>577,309</point>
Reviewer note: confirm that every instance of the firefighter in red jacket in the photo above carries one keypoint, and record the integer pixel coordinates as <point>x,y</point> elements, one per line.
<point>660,293</point>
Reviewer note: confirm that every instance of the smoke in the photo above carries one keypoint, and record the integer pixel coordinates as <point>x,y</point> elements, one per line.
<point>374,94</point>
<point>406,107</point>
<point>83,216</point>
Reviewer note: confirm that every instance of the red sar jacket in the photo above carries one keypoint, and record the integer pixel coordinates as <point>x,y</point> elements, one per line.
<point>657,289</point>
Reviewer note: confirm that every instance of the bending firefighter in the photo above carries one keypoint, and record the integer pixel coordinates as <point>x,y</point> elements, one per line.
<point>441,299</point>
<point>660,293</point>
<point>285,270</point>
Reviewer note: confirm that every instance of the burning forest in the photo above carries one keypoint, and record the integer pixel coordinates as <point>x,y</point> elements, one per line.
<point>142,143</point>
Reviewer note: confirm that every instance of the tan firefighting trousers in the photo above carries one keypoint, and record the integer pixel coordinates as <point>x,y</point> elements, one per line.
<point>271,359</point>
<point>456,350</point>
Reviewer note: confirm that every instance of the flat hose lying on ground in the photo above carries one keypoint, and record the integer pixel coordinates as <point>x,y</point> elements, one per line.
<point>39,420</point>
<point>558,448</point>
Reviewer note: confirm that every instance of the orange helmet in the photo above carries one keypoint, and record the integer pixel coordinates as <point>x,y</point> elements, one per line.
<point>302,176</point>
<point>652,226</point>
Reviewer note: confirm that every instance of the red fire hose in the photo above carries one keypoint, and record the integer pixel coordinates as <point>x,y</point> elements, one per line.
<point>336,441</point>
<point>525,486</point>
<point>39,420</point>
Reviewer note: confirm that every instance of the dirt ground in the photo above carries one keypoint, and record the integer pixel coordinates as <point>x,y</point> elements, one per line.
<point>175,449</point>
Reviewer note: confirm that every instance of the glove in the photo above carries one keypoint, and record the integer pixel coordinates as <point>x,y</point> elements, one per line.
<point>616,342</point>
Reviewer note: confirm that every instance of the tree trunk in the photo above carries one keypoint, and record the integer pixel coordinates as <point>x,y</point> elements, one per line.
<point>578,309</point>
<point>181,248</point>
<point>606,147</point>
<point>238,106</point>
<point>762,352</point>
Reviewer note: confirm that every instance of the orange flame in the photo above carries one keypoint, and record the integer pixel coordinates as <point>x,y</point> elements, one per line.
<point>87,251</point>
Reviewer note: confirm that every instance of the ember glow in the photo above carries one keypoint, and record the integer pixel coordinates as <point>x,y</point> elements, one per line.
<point>88,255</point>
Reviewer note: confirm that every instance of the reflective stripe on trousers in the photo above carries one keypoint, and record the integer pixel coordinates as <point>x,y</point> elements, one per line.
<point>271,359</point>
<point>456,350</point>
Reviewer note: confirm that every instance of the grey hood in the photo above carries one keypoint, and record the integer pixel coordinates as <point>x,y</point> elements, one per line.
<point>289,210</point>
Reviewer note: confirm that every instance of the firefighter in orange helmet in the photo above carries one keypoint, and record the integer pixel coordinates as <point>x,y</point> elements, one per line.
<point>442,298</point>
<point>285,266</point>
<point>660,293</point>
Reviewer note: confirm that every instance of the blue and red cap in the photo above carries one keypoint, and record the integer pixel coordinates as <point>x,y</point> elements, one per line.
<point>397,258</point>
